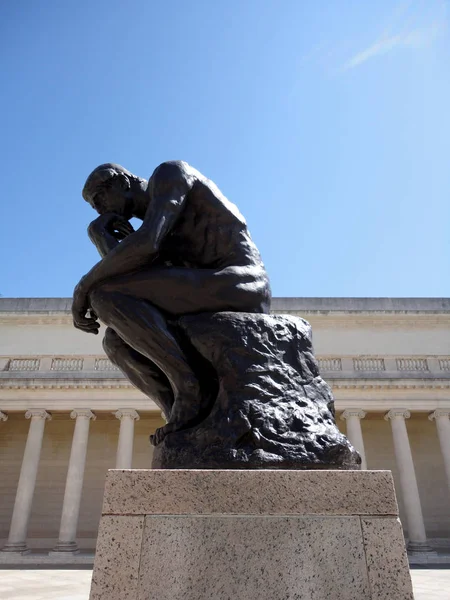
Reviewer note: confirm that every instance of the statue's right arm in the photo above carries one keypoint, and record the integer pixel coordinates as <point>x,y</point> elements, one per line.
<point>104,243</point>
<point>101,232</point>
<point>170,184</point>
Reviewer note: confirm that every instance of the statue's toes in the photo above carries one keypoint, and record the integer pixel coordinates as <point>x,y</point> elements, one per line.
<point>156,438</point>
<point>161,433</point>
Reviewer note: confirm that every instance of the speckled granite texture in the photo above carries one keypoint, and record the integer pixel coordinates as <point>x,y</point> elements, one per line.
<point>387,564</point>
<point>261,492</point>
<point>250,535</point>
<point>253,557</point>
<point>117,558</point>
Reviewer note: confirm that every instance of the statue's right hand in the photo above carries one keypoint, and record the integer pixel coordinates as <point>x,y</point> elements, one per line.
<point>112,224</point>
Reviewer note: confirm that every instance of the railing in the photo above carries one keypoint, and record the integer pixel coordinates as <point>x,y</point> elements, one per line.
<point>330,364</point>
<point>444,364</point>
<point>412,364</point>
<point>368,364</point>
<point>104,364</point>
<point>24,364</point>
<point>67,364</point>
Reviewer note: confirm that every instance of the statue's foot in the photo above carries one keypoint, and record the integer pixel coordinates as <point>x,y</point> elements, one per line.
<point>186,410</point>
<point>161,433</point>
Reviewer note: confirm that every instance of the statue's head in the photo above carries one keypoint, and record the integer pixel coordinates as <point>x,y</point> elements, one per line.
<point>111,188</point>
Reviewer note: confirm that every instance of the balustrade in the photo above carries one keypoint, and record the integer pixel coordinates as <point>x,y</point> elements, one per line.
<point>330,364</point>
<point>333,364</point>
<point>368,364</point>
<point>24,364</point>
<point>412,364</point>
<point>104,364</point>
<point>67,364</point>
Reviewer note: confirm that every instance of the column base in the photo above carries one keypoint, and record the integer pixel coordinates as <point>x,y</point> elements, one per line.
<point>414,548</point>
<point>16,547</point>
<point>63,549</point>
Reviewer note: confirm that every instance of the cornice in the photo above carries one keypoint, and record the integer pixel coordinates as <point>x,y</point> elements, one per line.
<point>318,304</point>
<point>66,385</point>
<point>361,305</point>
<point>35,319</point>
<point>409,319</point>
<point>123,384</point>
<point>400,313</point>
<point>431,384</point>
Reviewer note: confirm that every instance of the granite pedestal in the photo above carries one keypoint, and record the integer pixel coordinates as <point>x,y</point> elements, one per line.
<point>244,535</point>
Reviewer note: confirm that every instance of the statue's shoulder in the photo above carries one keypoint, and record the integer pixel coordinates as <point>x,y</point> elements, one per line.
<point>173,169</point>
<point>172,172</point>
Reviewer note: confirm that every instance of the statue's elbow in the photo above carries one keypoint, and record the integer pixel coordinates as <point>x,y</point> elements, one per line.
<point>148,251</point>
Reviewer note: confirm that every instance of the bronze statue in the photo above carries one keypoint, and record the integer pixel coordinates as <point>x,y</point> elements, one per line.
<point>185,299</point>
<point>193,253</point>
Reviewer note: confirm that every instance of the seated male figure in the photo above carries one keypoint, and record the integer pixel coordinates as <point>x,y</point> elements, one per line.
<point>193,253</point>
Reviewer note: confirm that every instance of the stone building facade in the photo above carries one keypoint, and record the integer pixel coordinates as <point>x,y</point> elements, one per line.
<point>67,415</point>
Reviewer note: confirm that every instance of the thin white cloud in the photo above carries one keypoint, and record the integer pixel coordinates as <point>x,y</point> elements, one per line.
<point>420,29</point>
<point>380,47</point>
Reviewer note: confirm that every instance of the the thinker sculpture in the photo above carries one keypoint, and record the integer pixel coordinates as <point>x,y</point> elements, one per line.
<point>185,299</point>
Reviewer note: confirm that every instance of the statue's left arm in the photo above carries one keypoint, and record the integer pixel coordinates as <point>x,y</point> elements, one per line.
<point>168,188</point>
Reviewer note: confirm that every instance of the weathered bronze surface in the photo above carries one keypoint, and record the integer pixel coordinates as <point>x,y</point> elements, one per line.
<point>185,299</point>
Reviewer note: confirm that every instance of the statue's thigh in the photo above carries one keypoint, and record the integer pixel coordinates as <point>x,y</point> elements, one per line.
<point>175,290</point>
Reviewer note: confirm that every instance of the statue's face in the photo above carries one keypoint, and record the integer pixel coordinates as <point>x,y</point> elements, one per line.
<point>113,197</point>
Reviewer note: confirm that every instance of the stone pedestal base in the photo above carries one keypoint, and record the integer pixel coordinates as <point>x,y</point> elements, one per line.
<point>265,535</point>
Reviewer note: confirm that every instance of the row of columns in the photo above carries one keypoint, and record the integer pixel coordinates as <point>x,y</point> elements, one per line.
<point>75,474</point>
<point>403,457</point>
<point>17,539</point>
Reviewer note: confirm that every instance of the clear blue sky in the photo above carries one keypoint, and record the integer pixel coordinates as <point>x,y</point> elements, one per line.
<point>327,123</point>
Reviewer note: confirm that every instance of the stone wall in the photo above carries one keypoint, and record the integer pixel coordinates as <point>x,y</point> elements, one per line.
<point>49,492</point>
<point>428,463</point>
<point>377,354</point>
<point>46,512</point>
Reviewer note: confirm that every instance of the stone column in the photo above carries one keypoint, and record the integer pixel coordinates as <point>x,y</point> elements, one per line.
<point>408,481</point>
<point>124,455</point>
<point>353,417</point>
<point>441,417</point>
<point>17,540</point>
<point>74,483</point>
<point>3,416</point>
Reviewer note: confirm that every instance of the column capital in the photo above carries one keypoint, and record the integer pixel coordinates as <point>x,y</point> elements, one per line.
<point>3,416</point>
<point>440,413</point>
<point>82,412</point>
<point>402,413</point>
<point>126,412</point>
<point>38,413</point>
<point>353,412</point>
